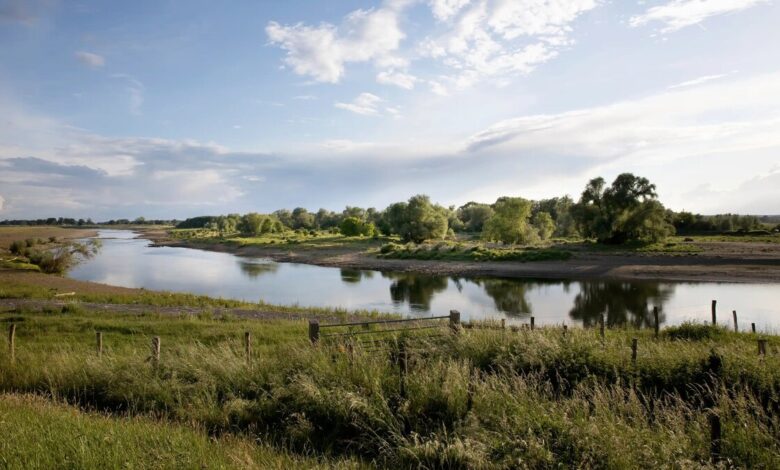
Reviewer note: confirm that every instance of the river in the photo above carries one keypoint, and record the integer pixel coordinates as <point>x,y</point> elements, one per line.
<point>127,261</point>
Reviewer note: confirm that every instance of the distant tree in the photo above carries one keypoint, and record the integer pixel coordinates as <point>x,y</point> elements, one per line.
<point>301,218</point>
<point>285,217</point>
<point>544,225</point>
<point>417,220</point>
<point>353,227</point>
<point>625,211</point>
<point>326,219</point>
<point>358,212</point>
<point>251,224</point>
<point>509,222</point>
<point>474,215</point>
<point>559,209</point>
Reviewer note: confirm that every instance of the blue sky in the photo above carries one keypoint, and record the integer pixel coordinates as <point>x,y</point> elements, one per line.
<point>180,108</point>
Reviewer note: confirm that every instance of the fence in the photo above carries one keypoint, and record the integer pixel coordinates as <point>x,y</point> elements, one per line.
<point>361,332</point>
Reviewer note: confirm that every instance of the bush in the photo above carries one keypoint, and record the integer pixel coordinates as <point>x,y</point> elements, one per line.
<point>353,227</point>
<point>692,331</point>
<point>17,247</point>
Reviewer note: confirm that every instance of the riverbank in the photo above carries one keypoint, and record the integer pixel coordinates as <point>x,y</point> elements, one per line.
<point>716,261</point>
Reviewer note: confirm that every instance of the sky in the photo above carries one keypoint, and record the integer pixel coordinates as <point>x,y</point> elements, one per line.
<point>174,108</point>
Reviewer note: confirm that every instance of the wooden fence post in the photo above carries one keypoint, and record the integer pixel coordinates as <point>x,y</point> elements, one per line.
<point>99,342</point>
<point>657,323</point>
<point>753,327</point>
<point>565,329</point>
<point>715,437</point>
<point>248,345</point>
<point>714,313</point>
<point>454,320</point>
<point>156,350</point>
<point>532,323</point>
<point>736,328</point>
<point>633,350</point>
<point>762,347</point>
<point>503,323</point>
<point>601,326</point>
<point>402,368</point>
<point>12,341</point>
<point>314,331</point>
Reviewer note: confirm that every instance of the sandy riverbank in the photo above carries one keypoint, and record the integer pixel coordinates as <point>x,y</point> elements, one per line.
<point>719,262</point>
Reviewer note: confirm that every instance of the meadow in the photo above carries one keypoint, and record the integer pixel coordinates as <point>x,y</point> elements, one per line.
<point>481,398</point>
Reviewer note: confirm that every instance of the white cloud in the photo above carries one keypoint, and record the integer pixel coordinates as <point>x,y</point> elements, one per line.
<point>322,51</point>
<point>699,81</point>
<point>443,10</point>
<point>678,14</point>
<point>737,116</point>
<point>514,18</point>
<point>90,59</point>
<point>366,104</point>
<point>399,79</point>
<point>502,38</point>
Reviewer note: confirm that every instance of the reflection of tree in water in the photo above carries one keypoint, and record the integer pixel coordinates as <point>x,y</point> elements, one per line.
<point>623,303</point>
<point>508,295</point>
<point>255,269</point>
<point>354,276</point>
<point>415,289</point>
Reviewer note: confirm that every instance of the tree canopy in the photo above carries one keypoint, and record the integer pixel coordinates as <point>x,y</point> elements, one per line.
<point>626,211</point>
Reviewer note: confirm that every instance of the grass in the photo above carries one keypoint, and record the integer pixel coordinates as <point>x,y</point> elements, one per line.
<point>298,239</point>
<point>38,434</point>
<point>479,399</point>
<point>472,251</point>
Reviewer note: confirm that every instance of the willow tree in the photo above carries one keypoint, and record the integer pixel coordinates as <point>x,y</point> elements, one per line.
<point>628,210</point>
<point>509,222</point>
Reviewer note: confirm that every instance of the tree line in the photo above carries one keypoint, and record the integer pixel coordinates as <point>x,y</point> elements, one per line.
<point>626,210</point>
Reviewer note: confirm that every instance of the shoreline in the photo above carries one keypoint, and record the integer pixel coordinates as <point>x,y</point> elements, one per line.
<point>732,263</point>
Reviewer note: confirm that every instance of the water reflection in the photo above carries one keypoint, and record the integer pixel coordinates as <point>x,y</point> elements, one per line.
<point>354,276</point>
<point>509,296</point>
<point>416,290</point>
<point>622,303</point>
<point>255,269</point>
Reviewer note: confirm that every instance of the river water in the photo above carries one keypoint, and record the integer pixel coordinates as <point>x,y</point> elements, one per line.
<point>126,261</point>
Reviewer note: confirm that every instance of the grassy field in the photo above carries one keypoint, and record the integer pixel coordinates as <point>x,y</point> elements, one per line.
<point>39,434</point>
<point>479,399</point>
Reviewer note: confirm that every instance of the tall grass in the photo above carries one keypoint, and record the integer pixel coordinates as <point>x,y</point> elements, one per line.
<point>41,435</point>
<point>479,399</point>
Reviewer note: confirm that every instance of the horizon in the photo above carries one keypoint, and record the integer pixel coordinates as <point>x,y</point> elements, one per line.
<point>169,110</point>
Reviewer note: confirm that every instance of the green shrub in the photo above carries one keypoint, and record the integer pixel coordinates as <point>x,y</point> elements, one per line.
<point>17,247</point>
<point>693,331</point>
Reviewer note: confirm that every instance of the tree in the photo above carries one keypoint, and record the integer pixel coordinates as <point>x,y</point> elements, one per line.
<point>353,227</point>
<point>301,218</point>
<point>474,215</point>
<point>417,220</point>
<point>285,217</point>
<point>509,223</point>
<point>625,211</point>
<point>544,225</point>
<point>251,224</point>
